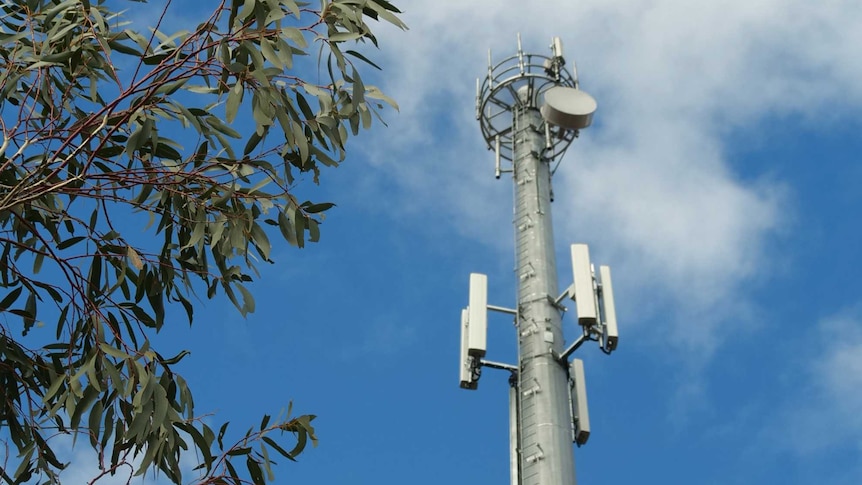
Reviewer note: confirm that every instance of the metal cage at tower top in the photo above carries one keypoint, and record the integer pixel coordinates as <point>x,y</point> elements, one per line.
<point>519,82</point>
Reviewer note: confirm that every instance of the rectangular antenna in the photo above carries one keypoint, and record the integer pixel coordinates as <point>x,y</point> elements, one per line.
<point>497,169</point>
<point>478,100</point>
<point>490,73</point>
<point>514,444</point>
<point>477,315</point>
<point>580,413</point>
<point>557,46</point>
<point>609,312</point>
<point>585,295</point>
<point>466,372</point>
<point>520,56</point>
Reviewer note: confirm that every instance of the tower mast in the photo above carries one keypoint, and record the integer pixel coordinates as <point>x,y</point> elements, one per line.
<point>530,109</point>
<point>545,424</point>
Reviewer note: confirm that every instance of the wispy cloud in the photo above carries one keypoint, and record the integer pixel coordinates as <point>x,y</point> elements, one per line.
<point>651,184</point>
<point>829,413</point>
<point>818,421</point>
<point>83,466</point>
<point>382,336</point>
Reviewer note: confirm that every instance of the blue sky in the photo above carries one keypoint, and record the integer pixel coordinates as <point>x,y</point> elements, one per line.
<point>721,183</point>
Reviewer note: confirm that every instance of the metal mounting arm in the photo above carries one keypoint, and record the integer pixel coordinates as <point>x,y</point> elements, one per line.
<point>566,294</point>
<point>564,357</point>
<point>498,365</point>
<point>499,309</point>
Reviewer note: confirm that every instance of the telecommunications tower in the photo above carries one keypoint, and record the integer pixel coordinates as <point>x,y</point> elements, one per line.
<point>530,110</point>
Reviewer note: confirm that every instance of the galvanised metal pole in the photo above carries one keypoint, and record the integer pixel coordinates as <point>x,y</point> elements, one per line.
<point>542,420</point>
<point>545,421</point>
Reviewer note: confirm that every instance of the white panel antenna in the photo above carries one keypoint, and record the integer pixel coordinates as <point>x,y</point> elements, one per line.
<point>465,361</point>
<point>557,46</point>
<point>580,413</point>
<point>609,312</point>
<point>477,315</point>
<point>584,294</point>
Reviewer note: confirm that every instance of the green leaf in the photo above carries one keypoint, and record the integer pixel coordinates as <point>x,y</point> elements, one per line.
<point>141,198</point>
<point>384,9</point>
<point>55,387</point>
<point>232,471</point>
<point>156,58</point>
<point>223,128</point>
<point>358,88</point>
<point>299,223</point>
<point>198,233</point>
<point>266,48</point>
<point>37,262</point>
<point>247,300</point>
<point>254,470</point>
<point>234,99</point>
<point>202,151</point>
<point>295,35</point>
<point>315,208</point>
<point>362,58</point>
<point>166,152</point>
<point>123,48</point>
<point>344,36</point>
<point>83,405</point>
<point>94,420</point>
<point>286,227</point>
<point>30,313</point>
<point>161,404</point>
<point>252,143</point>
<point>304,107</point>
<point>175,359</point>
<point>134,143</point>
<point>261,241</point>
<point>134,258</point>
<point>221,433</point>
<point>301,441</point>
<point>109,151</point>
<point>115,352</point>
<point>246,12</point>
<point>70,242</point>
<point>10,298</point>
<point>301,141</point>
<point>239,451</point>
<point>278,448</point>
<point>203,445</point>
<point>187,305</point>
<point>201,89</point>
<point>375,93</point>
<point>55,295</point>
<point>313,230</point>
<point>94,280</point>
<point>46,451</point>
<point>267,463</point>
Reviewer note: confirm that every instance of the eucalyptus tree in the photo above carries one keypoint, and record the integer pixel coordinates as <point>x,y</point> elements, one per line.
<point>199,135</point>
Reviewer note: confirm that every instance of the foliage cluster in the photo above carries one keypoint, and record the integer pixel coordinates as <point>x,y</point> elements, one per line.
<point>203,132</point>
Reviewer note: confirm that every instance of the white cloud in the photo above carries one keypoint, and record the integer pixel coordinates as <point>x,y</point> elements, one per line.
<point>821,414</point>
<point>838,373</point>
<point>381,336</point>
<point>83,465</point>
<point>651,184</point>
